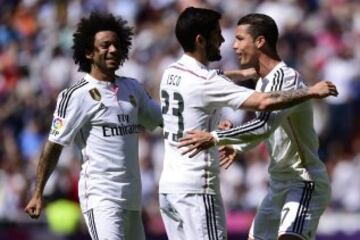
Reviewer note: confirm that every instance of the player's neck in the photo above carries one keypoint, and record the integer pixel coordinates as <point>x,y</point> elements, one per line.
<point>101,76</point>
<point>199,57</point>
<point>266,64</point>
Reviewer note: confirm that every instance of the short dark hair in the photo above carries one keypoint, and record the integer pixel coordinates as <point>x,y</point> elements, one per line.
<point>193,21</point>
<point>84,36</point>
<point>261,25</point>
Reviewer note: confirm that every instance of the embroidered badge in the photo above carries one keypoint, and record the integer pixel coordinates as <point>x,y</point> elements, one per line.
<point>56,126</point>
<point>95,94</point>
<point>132,100</point>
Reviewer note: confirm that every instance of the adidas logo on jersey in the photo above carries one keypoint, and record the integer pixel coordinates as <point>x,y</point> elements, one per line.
<point>102,106</point>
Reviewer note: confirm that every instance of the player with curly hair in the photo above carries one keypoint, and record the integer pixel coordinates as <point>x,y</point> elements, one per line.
<point>103,114</point>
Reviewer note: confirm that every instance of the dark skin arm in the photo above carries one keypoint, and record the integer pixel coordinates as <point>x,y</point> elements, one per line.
<point>47,163</point>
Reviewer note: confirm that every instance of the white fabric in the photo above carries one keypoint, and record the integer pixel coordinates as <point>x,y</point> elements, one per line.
<point>113,223</point>
<point>291,141</point>
<point>193,216</point>
<point>191,98</point>
<point>104,120</point>
<point>292,208</point>
<point>292,146</point>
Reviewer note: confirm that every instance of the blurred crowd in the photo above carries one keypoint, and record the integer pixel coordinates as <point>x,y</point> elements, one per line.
<point>320,38</point>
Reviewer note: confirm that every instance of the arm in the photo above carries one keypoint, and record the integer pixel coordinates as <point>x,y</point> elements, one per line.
<point>268,101</point>
<point>241,75</point>
<point>247,135</point>
<point>149,110</point>
<point>47,163</point>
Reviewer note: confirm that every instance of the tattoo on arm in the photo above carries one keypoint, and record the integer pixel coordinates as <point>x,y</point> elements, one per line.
<point>47,163</point>
<point>283,99</point>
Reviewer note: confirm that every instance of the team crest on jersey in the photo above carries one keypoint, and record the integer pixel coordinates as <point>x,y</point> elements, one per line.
<point>56,126</point>
<point>132,100</point>
<point>95,94</point>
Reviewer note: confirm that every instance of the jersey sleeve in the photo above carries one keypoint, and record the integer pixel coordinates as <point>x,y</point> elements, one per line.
<point>149,110</point>
<point>70,114</point>
<point>220,91</point>
<point>249,134</point>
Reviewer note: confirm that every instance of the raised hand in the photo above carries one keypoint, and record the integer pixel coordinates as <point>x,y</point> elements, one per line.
<point>324,89</point>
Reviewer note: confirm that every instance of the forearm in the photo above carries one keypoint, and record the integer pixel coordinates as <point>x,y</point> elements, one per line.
<point>47,163</point>
<point>242,74</point>
<point>284,99</point>
<point>251,132</point>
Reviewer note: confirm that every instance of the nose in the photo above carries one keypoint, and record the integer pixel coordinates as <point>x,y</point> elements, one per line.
<point>112,48</point>
<point>235,45</point>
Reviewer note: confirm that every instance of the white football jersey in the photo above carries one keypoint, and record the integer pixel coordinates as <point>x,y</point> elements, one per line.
<point>290,137</point>
<point>104,120</point>
<point>191,98</point>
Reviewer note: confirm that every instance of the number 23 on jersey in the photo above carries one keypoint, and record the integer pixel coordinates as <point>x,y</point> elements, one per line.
<point>172,106</point>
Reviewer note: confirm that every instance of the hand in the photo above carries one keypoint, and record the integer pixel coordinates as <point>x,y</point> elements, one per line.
<point>196,141</point>
<point>225,125</point>
<point>324,89</point>
<point>33,208</point>
<point>227,156</point>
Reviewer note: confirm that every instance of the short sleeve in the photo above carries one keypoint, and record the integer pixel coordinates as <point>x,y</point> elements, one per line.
<point>149,110</point>
<point>220,91</point>
<point>70,114</point>
<point>292,80</point>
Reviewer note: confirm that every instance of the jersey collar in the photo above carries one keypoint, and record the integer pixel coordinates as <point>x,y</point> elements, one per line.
<point>93,80</point>
<point>190,61</point>
<point>274,70</point>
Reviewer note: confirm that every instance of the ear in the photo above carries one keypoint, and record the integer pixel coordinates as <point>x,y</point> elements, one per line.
<point>200,41</point>
<point>260,42</point>
<point>89,54</point>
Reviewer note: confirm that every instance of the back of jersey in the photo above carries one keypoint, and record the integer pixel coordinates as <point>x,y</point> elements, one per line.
<point>183,109</point>
<point>191,98</point>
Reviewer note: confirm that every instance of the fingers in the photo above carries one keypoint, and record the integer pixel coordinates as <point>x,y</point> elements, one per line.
<point>226,162</point>
<point>188,150</point>
<point>186,143</point>
<point>33,211</point>
<point>197,150</point>
<point>329,89</point>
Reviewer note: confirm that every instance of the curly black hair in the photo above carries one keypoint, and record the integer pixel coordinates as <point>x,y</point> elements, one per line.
<point>84,36</point>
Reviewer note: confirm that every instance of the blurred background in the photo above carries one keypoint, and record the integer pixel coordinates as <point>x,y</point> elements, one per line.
<point>320,38</point>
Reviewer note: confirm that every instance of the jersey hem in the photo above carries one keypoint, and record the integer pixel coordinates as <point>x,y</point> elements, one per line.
<point>293,234</point>
<point>212,192</point>
<point>58,142</point>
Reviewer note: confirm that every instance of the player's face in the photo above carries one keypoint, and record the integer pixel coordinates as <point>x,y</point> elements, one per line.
<point>245,47</point>
<point>213,44</point>
<point>106,53</point>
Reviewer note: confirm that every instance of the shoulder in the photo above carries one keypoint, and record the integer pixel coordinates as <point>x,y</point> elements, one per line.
<point>76,89</point>
<point>129,82</point>
<point>134,86</point>
<point>290,77</point>
<point>217,73</point>
<point>73,98</point>
<point>193,71</point>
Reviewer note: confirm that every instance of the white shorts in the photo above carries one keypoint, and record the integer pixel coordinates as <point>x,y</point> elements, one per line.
<point>111,223</point>
<point>290,208</point>
<point>193,216</point>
